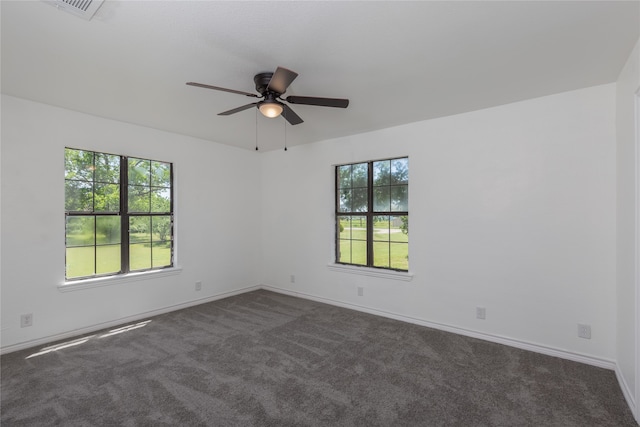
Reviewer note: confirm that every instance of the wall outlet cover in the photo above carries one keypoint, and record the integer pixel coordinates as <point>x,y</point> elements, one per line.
<point>26,320</point>
<point>584,331</point>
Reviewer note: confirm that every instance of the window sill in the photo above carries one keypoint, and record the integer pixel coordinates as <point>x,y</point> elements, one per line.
<point>78,285</point>
<point>374,272</point>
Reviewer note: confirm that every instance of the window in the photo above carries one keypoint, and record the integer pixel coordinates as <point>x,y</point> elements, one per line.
<point>372,214</point>
<point>119,214</point>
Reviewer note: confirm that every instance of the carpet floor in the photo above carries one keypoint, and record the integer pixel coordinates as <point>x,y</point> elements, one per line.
<point>266,359</point>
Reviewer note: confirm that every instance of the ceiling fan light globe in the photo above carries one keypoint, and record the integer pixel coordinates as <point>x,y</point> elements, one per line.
<point>270,109</point>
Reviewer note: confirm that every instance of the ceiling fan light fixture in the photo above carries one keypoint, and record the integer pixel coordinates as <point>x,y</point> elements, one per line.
<point>270,109</point>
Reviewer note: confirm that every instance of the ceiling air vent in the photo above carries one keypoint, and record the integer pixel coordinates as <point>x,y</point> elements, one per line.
<point>83,8</point>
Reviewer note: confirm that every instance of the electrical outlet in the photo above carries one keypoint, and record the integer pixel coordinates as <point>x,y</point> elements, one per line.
<point>481,313</point>
<point>584,331</point>
<point>360,291</point>
<point>293,278</point>
<point>26,320</point>
<point>198,286</point>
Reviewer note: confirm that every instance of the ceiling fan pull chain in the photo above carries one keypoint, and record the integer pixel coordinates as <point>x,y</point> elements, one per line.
<point>256,129</point>
<point>285,131</point>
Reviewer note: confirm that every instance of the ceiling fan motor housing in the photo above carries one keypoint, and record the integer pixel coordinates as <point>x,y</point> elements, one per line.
<point>262,82</point>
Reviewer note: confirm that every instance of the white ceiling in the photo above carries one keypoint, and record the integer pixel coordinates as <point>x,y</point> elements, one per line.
<point>398,62</point>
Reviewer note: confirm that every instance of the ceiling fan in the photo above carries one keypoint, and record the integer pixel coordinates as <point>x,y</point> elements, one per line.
<point>271,87</point>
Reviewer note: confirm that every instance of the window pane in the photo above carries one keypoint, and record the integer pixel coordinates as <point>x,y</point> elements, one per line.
<point>358,252</point>
<point>139,198</point>
<point>381,173</point>
<point>78,196</point>
<point>161,228</point>
<point>400,171</point>
<point>380,254</point>
<point>381,228</point>
<point>344,227</point>
<point>160,200</point>
<point>139,172</point>
<point>345,201</point>
<point>139,229</point>
<point>359,175</point>
<point>360,200</point>
<point>400,256</point>
<point>80,262</point>
<point>359,227</point>
<point>78,164</point>
<point>80,231</point>
<point>107,198</point>
<point>343,253</point>
<point>161,254</point>
<point>107,230</point>
<point>399,231</point>
<point>107,259</point>
<point>399,198</point>
<point>107,168</point>
<point>160,174</point>
<point>140,256</point>
<point>381,199</point>
<point>354,250</point>
<point>344,176</point>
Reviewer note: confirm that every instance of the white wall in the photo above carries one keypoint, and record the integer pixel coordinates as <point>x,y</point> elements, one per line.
<point>627,215</point>
<point>511,208</point>
<point>216,188</point>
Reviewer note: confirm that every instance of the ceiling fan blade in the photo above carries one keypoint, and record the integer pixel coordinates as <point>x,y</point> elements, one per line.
<point>237,110</point>
<point>322,102</point>
<point>290,115</point>
<point>239,92</point>
<point>281,80</point>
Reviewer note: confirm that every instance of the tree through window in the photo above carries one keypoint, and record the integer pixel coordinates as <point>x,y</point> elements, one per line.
<point>372,214</point>
<point>119,214</point>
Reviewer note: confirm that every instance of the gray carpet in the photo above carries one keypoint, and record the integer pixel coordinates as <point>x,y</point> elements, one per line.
<point>265,359</point>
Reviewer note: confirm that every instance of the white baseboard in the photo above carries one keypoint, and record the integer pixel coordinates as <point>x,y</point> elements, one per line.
<point>524,345</point>
<point>117,322</point>
<point>577,357</point>
<point>628,395</point>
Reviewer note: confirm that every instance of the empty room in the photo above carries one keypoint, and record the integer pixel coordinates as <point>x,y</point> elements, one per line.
<point>320,213</point>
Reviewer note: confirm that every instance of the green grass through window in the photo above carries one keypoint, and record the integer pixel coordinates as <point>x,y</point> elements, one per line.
<point>80,260</point>
<point>390,244</point>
